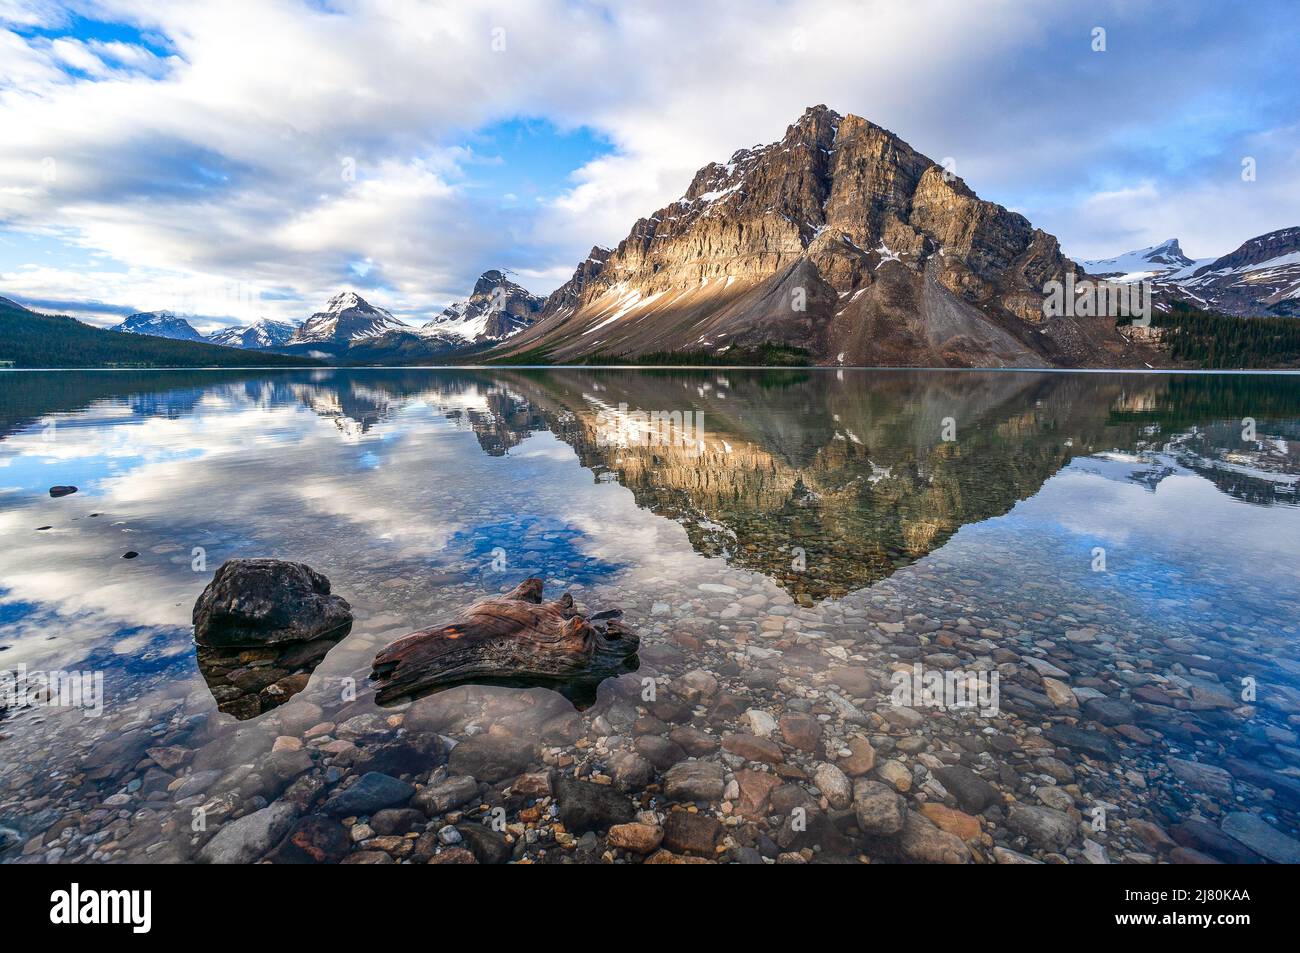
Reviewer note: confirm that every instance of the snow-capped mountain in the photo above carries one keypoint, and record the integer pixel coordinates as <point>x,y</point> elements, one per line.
<point>1142,265</point>
<point>159,324</point>
<point>264,333</point>
<point>1261,277</point>
<point>347,317</point>
<point>495,309</point>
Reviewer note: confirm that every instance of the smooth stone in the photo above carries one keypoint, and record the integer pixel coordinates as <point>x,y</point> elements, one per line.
<point>636,837</point>
<point>1262,837</point>
<point>972,793</point>
<point>244,840</point>
<point>834,785</point>
<point>585,806</point>
<point>446,795</point>
<point>687,833</point>
<point>753,748</point>
<point>923,843</point>
<point>1046,828</point>
<point>371,792</point>
<point>694,781</point>
<point>879,810</point>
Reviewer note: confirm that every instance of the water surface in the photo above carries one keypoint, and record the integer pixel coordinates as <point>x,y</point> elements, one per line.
<point>790,538</point>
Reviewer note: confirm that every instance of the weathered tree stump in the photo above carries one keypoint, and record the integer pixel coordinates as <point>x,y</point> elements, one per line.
<point>511,638</point>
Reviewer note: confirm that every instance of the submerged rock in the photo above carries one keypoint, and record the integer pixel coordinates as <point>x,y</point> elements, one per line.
<point>585,806</point>
<point>266,601</point>
<point>245,840</point>
<point>1262,838</point>
<point>370,793</point>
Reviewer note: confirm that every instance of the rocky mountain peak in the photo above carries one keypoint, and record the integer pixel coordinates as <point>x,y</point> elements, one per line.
<point>845,218</point>
<point>347,317</point>
<point>496,309</point>
<point>1260,277</point>
<point>163,324</point>
<point>345,300</point>
<point>262,333</point>
<point>1170,252</point>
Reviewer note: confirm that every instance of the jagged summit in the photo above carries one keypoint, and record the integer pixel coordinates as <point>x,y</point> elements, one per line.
<point>1261,276</point>
<point>1143,264</point>
<point>260,334</point>
<point>839,239</point>
<point>495,309</point>
<point>347,317</point>
<point>344,300</point>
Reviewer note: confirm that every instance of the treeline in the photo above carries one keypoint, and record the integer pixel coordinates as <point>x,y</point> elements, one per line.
<point>1210,340</point>
<point>28,339</point>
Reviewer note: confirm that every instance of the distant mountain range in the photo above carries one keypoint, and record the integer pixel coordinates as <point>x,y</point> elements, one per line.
<point>167,324</point>
<point>31,339</point>
<point>839,244</point>
<point>351,330</point>
<point>1262,277</point>
<point>261,334</point>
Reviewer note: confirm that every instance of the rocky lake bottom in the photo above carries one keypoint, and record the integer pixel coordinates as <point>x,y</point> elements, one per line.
<point>923,617</point>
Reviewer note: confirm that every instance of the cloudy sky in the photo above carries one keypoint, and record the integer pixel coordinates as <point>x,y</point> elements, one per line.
<point>252,157</point>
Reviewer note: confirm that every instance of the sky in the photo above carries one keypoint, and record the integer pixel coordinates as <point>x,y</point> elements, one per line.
<point>251,158</point>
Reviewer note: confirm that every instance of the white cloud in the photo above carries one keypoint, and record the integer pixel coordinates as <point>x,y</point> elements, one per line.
<point>218,162</point>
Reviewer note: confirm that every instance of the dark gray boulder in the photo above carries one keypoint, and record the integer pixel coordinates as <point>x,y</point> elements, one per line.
<point>268,601</point>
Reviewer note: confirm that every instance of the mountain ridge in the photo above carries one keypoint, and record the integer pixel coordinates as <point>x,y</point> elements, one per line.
<point>261,334</point>
<point>159,324</point>
<point>1260,277</point>
<point>30,339</point>
<point>839,239</point>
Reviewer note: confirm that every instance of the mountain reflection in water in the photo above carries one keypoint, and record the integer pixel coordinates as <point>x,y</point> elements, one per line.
<point>796,535</point>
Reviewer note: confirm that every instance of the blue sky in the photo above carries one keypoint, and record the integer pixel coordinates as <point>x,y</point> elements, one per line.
<point>252,158</point>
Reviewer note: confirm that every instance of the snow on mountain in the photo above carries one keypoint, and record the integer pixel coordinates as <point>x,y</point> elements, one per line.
<point>496,309</point>
<point>1260,277</point>
<point>262,334</point>
<point>159,324</point>
<point>347,317</point>
<point>1143,264</point>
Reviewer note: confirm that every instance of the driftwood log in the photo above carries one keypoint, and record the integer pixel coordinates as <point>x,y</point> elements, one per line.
<point>514,638</point>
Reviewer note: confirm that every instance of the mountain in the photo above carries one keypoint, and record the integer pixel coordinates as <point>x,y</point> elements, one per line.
<point>31,339</point>
<point>261,334</point>
<point>839,241</point>
<point>1143,264</point>
<point>347,318</point>
<point>1259,278</point>
<point>496,309</point>
<point>352,331</point>
<point>159,324</point>
<point>565,299</point>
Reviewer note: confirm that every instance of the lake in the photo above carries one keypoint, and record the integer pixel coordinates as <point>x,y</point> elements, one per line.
<point>883,615</point>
